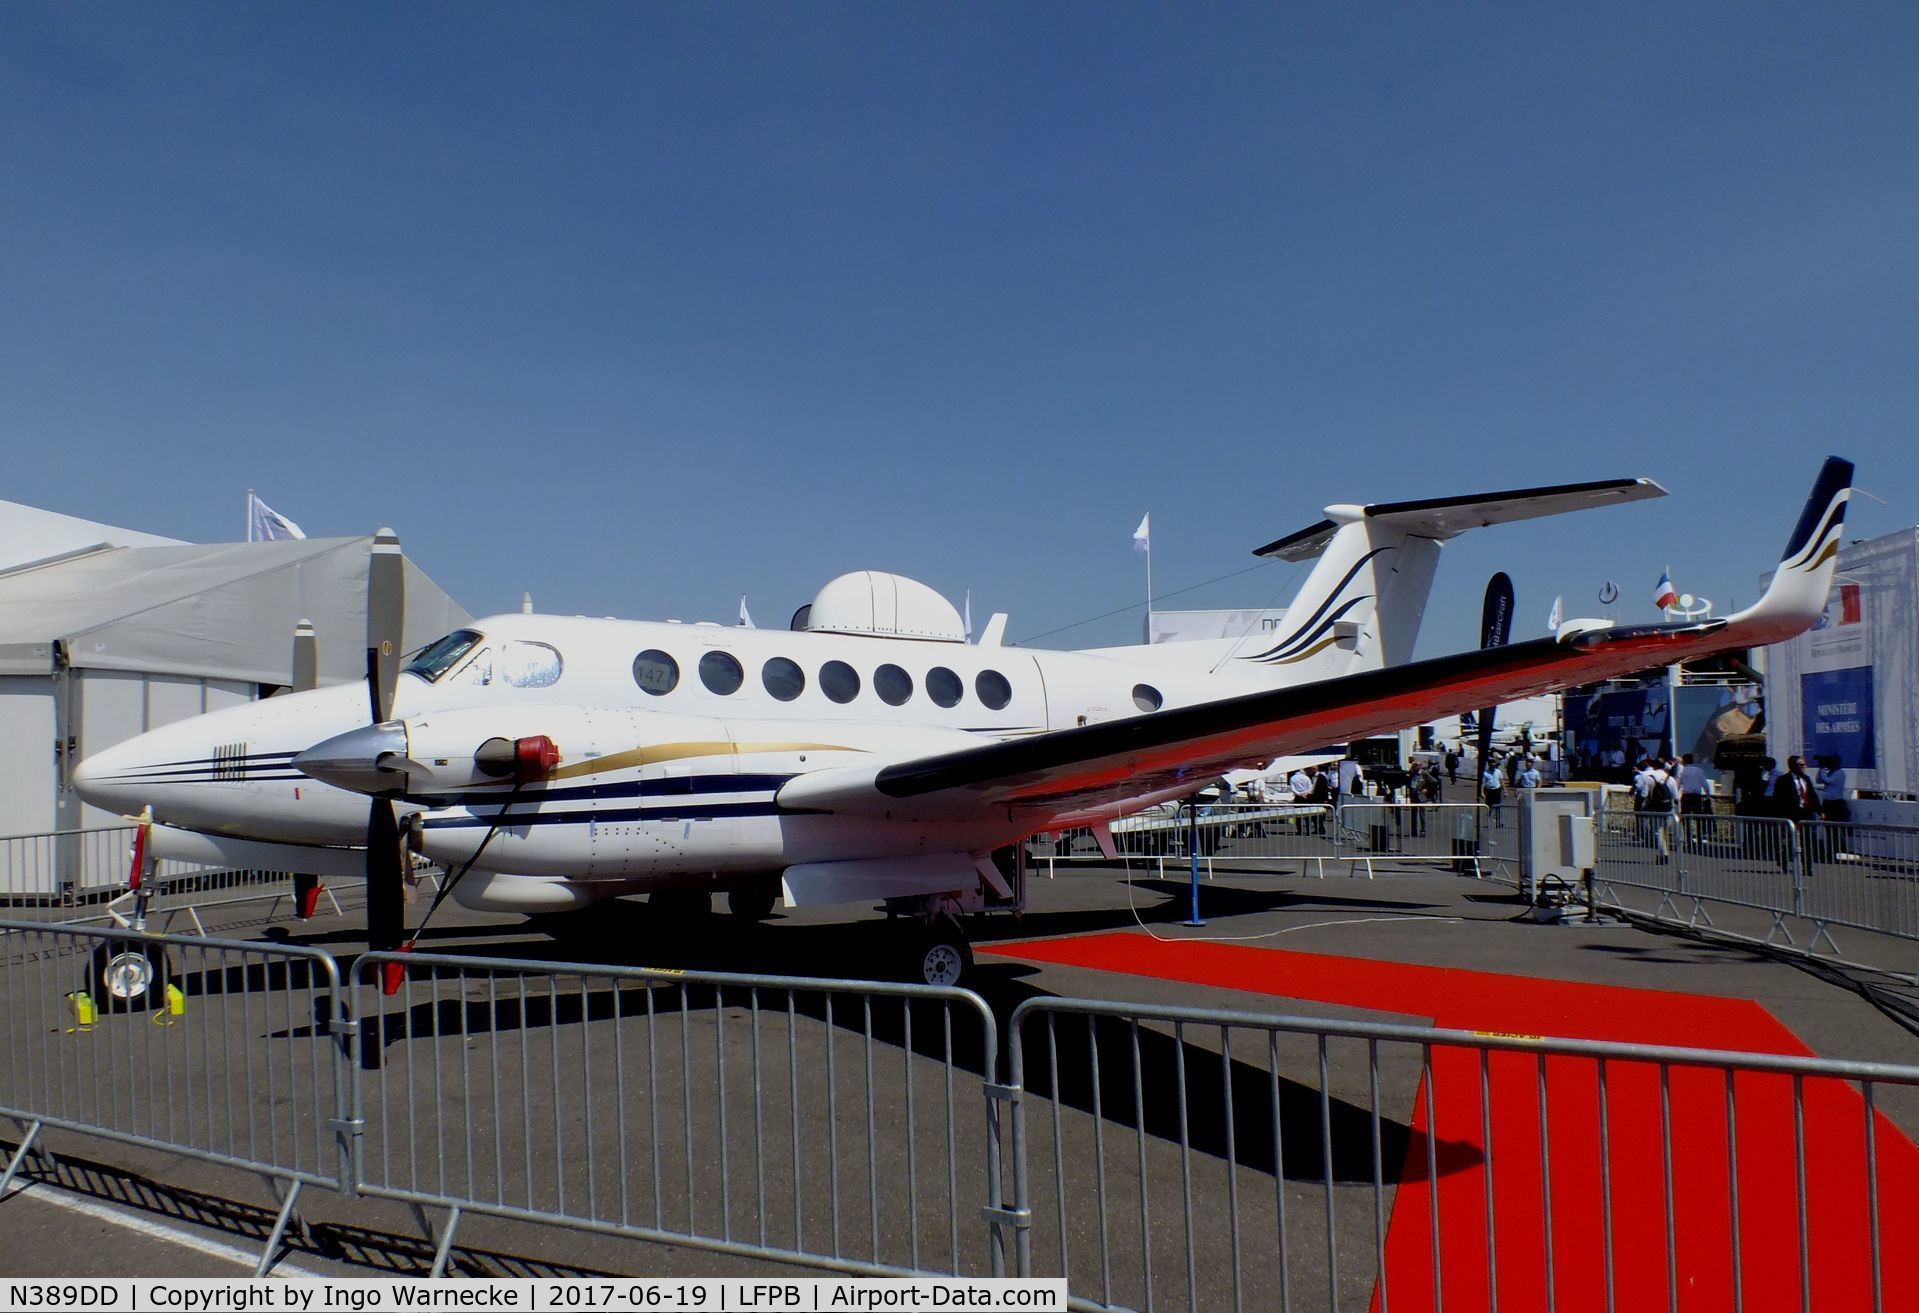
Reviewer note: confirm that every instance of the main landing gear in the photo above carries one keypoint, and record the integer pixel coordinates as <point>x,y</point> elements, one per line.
<point>932,947</point>
<point>939,954</point>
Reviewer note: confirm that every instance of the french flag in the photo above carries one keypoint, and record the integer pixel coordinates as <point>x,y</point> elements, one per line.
<point>1667,597</point>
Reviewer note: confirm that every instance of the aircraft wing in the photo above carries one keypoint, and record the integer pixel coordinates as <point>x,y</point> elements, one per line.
<point>1072,775</point>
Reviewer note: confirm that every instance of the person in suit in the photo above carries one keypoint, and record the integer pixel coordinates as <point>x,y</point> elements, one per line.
<point>1794,796</point>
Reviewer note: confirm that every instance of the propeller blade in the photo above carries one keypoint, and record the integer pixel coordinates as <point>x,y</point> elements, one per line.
<point>385,617</point>
<point>306,657</point>
<point>385,879</point>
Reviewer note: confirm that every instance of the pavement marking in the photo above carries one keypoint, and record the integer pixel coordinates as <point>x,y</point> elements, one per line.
<point>158,1230</point>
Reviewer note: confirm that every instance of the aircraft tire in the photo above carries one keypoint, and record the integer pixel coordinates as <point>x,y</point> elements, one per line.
<point>939,955</point>
<point>128,977</point>
<point>751,904</point>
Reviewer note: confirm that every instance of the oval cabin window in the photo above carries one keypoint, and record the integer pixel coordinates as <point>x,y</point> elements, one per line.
<point>839,681</point>
<point>893,685</point>
<point>944,687</point>
<point>1147,698</point>
<point>656,672</point>
<point>993,689</point>
<point>721,673</point>
<point>783,679</point>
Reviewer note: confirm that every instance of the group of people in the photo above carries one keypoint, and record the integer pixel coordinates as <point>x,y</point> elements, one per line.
<point>1519,770</point>
<point>1671,784</point>
<point>1792,794</point>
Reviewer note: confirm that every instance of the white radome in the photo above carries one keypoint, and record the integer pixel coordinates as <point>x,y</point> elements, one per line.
<point>885,605</point>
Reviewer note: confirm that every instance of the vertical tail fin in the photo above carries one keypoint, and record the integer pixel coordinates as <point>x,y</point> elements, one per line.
<point>1361,606</point>
<point>1797,594</point>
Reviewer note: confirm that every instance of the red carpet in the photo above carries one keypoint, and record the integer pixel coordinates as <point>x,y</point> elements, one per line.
<point>1837,1223</point>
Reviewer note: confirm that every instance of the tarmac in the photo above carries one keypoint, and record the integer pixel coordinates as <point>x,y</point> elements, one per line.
<point>1341,947</point>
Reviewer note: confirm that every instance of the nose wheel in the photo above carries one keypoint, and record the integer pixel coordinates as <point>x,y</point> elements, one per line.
<point>938,954</point>
<point>129,977</point>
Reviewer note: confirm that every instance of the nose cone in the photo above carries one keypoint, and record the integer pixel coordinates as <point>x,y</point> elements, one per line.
<point>114,778</point>
<point>371,759</point>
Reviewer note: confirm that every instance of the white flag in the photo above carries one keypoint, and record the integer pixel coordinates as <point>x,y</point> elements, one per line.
<point>1552,621</point>
<point>268,524</point>
<point>745,619</point>
<point>1143,536</point>
<point>968,630</point>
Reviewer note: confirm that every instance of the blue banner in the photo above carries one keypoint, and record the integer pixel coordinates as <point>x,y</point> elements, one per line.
<point>1836,716</point>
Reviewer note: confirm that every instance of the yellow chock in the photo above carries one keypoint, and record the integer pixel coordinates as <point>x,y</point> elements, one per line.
<point>83,1012</point>
<point>176,1001</point>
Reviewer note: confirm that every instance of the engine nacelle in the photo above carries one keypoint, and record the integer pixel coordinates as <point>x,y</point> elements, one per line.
<point>531,895</point>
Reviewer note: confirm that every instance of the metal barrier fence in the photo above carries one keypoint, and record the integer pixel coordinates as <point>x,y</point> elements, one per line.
<point>845,1125</point>
<point>226,1052</point>
<point>1267,1162</point>
<point>81,875</point>
<point>1267,838</point>
<point>1160,1157</point>
<point>1813,874</point>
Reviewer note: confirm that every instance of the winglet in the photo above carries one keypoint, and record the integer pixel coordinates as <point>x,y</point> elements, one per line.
<point>1797,594</point>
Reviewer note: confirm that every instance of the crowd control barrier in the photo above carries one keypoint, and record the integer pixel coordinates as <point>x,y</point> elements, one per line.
<point>214,1049</point>
<point>1180,1158</point>
<point>1261,838</point>
<point>1156,1157</point>
<point>1807,877</point>
<point>80,876</point>
<point>846,1125</point>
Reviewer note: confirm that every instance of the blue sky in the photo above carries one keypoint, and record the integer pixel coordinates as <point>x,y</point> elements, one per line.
<point>639,307</point>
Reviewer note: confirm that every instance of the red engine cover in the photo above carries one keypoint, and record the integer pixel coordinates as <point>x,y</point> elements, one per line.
<point>535,757</point>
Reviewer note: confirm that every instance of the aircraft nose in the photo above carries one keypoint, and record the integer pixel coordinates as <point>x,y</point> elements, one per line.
<point>113,779</point>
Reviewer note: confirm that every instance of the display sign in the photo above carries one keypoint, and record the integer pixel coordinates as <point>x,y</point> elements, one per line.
<point>1835,711</point>
<point>1635,721</point>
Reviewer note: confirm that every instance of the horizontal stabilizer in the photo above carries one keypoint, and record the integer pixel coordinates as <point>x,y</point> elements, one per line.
<point>1448,517</point>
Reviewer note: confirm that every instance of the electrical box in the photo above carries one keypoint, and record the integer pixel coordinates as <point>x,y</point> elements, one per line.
<point>1545,847</point>
<point>1577,843</point>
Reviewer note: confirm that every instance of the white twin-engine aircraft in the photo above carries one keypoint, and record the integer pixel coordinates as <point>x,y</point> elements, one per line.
<point>870,754</point>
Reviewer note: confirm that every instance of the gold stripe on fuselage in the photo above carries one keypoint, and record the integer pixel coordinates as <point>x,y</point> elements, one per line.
<point>660,752</point>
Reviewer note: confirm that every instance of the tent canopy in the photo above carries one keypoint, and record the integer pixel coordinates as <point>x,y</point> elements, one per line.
<point>224,611</point>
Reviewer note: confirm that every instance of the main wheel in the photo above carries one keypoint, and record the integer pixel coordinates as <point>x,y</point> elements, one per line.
<point>129,977</point>
<point>751,904</point>
<point>940,955</point>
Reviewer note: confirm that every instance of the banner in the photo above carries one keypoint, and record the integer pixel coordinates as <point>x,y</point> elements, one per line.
<point>1835,714</point>
<point>1495,626</point>
<point>1634,721</point>
<point>1841,638</point>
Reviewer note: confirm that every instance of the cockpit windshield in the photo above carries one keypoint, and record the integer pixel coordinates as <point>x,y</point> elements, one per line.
<point>442,654</point>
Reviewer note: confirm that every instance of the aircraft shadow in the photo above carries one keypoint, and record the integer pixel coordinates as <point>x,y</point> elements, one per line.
<point>1310,1134</point>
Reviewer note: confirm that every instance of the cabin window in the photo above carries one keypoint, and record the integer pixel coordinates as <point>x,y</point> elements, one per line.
<point>944,687</point>
<point>475,668</point>
<point>1147,698</point>
<point>839,681</point>
<point>721,673</point>
<point>439,656</point>
<point>656,672</point>
<point>993,689</point>
<point>893,685</point>
<point>783,679</point>
<point>530,665</point>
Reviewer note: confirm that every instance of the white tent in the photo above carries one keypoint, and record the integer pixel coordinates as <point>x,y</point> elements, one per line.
<point>103,643</point>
